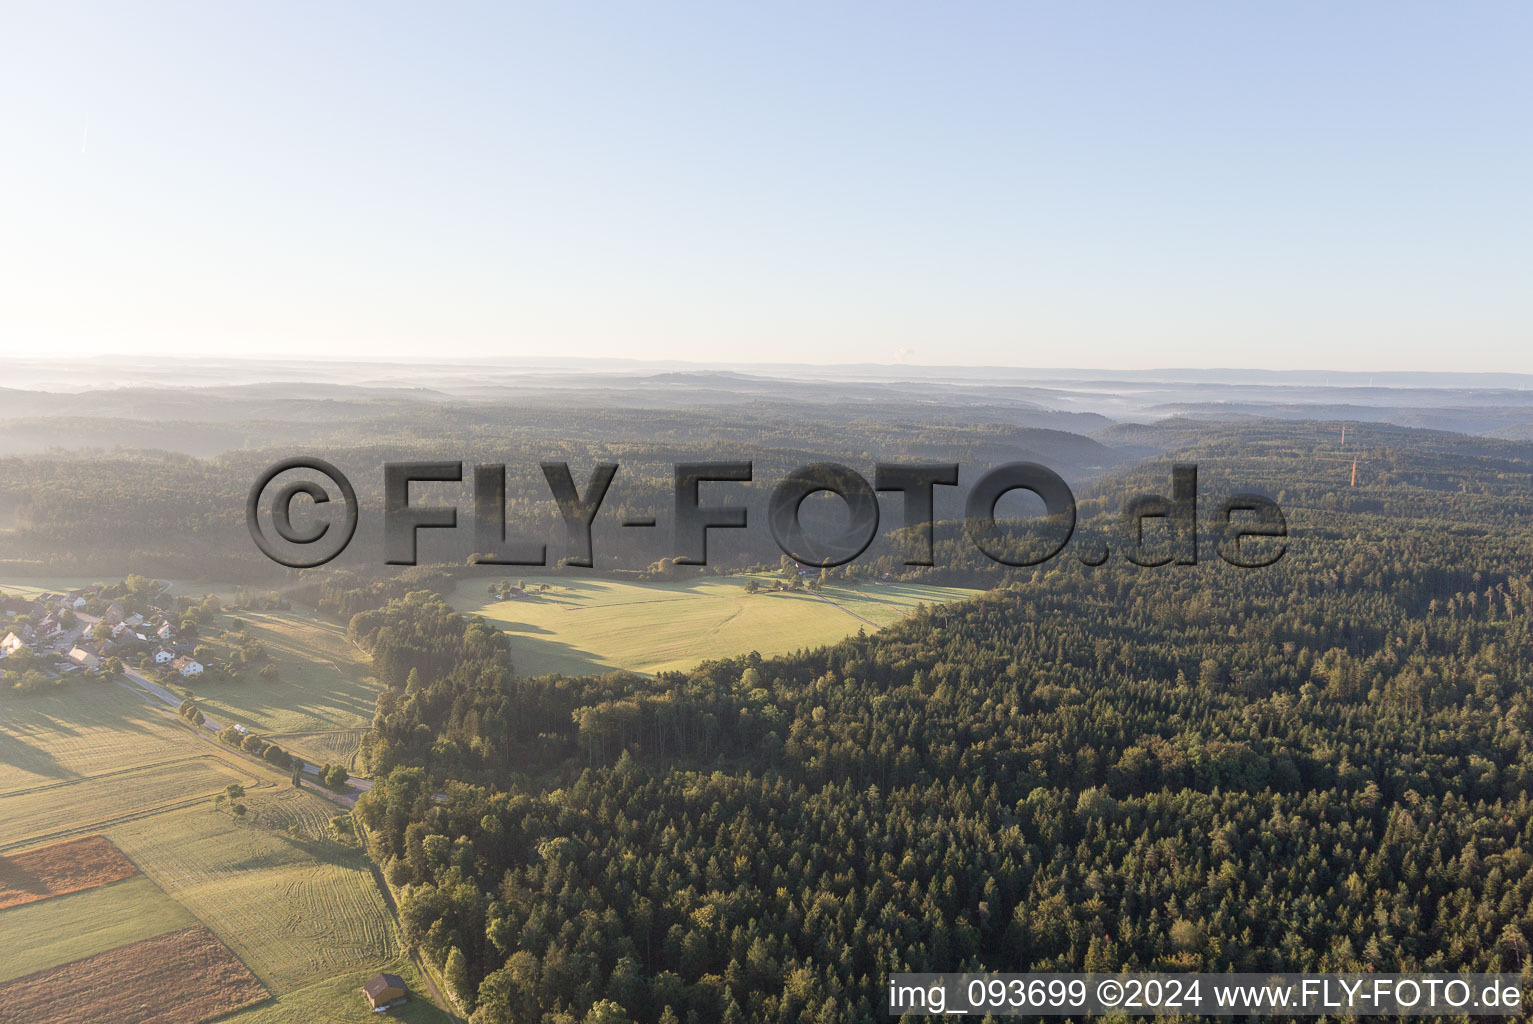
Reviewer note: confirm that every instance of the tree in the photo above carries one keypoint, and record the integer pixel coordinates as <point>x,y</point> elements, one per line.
<point>607,1012</point>
<point>455,972</point>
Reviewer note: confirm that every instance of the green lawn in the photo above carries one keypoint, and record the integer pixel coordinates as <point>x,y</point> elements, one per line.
<point>37,936</point>
<point>596,625</point>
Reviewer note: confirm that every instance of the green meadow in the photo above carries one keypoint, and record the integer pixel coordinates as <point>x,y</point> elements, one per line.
<point>583,626</point>
<point>324,684</point>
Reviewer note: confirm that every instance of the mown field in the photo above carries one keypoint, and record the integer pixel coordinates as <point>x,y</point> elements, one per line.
<point>595,625</point>
<point>91,755</point>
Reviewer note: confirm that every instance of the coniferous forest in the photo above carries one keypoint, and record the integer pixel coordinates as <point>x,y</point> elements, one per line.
<point>1321,765</point>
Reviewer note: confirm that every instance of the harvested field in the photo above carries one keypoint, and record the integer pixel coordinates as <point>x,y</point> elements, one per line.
<point>182,977</point>
<point>61,868</point>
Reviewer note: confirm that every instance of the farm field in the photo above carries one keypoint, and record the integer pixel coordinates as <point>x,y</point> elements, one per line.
<point>300,911</point>
<point>65,809</point>
<point>324,684</point>
<point>129,984</point>
<point>55,931</point>
<point>61,868</point>
<point>337,746</point>
<point>597,625</point>
<point>80,731</point>
<point>296,908</point>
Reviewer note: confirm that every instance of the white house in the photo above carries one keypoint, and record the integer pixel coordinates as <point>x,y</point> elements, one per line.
<point>187,667</point>
<point>12,643</point>
<point>164,657</point>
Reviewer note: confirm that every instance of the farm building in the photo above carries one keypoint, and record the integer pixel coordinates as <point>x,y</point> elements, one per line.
<point>384,991</point>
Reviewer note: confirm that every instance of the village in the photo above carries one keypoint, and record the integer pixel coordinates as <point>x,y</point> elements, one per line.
<point>97,631</point>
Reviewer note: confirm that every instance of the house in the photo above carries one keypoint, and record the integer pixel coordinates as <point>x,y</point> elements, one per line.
<point>113,613</point>
<point>187,667</point>
<point>12,643</point>
<point>384,992</point>
<point>164,657</point>
<point>81,656</point>
<point>166,631</point>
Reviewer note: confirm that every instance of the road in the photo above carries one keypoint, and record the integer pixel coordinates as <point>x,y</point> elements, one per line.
<point>148,688</point>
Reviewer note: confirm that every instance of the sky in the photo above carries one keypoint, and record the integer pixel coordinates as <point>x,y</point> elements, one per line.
<point>1128,185</point>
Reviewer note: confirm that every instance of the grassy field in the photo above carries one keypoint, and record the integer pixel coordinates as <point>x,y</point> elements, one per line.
<point>338,1001</point>
<point>41,935</point>
<point>595,625</point>
<point>79,731</point>
<point>89,805</point>
<point>75,760</point>
<point>325,684</point>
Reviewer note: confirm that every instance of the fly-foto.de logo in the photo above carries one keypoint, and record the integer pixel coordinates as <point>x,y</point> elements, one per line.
<point>1251,528</point>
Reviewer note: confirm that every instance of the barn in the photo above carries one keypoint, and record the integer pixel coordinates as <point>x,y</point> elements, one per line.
<point>384,991</point>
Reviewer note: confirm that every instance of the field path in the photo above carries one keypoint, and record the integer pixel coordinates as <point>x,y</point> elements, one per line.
<point>843,608</point>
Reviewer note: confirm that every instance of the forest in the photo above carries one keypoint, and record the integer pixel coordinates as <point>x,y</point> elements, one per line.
<point>1320,765</point>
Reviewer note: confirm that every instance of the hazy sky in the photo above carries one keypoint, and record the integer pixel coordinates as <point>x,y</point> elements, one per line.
<point>1129,185</point>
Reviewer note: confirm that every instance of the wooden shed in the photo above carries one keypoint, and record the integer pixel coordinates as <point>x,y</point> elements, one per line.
<point>383,991</point>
